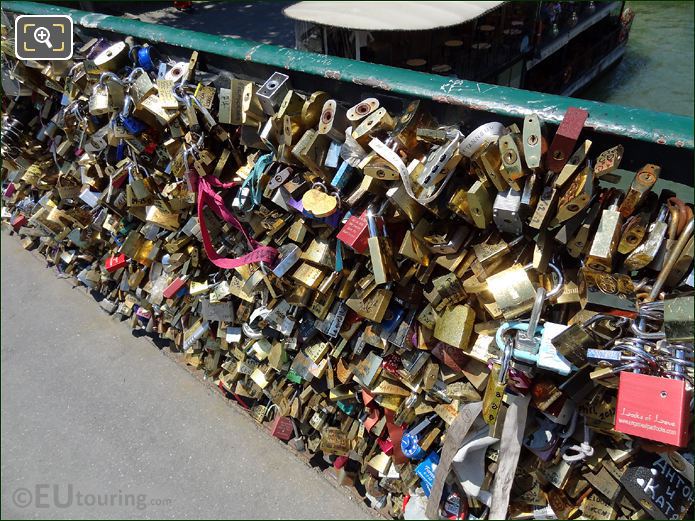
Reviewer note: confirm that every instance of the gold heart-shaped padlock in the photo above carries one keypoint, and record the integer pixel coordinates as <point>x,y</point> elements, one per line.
<point>318,203</point>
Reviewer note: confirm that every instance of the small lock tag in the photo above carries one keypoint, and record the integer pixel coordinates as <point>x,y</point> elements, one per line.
<point>653,407</point>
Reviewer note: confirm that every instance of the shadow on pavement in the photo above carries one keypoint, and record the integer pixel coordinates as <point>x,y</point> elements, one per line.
<point>259,21</point>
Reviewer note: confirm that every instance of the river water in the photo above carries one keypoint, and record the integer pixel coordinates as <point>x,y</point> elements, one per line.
<point>656,71</point>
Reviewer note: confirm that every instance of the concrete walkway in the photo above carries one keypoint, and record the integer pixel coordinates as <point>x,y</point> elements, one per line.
<point>99,424</point>
<point>258,21</point>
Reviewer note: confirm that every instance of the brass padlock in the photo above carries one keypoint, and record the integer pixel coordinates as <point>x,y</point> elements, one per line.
<point>140,86</point>
<point>643,182</point>
<point>513,169</point>
<point>380,252</point>
<point>480,204</point>
<point>605,242</point>
<point>99,102</point>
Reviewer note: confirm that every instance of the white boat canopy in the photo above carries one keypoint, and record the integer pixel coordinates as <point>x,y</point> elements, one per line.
<point>388,16</point>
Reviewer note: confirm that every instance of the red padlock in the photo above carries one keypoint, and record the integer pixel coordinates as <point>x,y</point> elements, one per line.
<point>565,138</point>
<point>116,262</point>
<point>282,427</point>
<point>10,190</point>
<point>173,288</point>
<point>653,407</point>
<point>385,445</point>
<point>18,221</point>
<point>355,232</point>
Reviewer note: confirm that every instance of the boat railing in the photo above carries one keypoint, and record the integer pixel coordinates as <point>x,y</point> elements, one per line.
<point>647,136</point>
<point>577,64</point>
<point>549,43</point>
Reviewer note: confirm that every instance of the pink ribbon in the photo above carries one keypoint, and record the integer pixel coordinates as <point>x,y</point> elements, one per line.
<point>208,197</point>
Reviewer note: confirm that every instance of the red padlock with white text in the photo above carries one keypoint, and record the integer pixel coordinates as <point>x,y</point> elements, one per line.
<point>653,407</point>
<point>116,262</point>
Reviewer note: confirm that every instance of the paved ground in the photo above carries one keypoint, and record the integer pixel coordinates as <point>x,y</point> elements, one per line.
<point>92,415</point>
<point>258,21</point>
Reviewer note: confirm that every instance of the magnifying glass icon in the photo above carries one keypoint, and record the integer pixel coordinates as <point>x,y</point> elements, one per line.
<point>42,35</point>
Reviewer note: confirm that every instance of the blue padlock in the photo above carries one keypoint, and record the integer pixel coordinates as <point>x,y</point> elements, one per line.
<point>392,319</point>
<point>426,471</point>
<point>342,176</point>
<point>132,125</point>
<point>144,57</point>
<point>347,408</point>
<point>120,150</point>
<point>410,442</point>
<point>410,447</point>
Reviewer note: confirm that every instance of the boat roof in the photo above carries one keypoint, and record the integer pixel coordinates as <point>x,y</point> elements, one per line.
<point>389,16</point>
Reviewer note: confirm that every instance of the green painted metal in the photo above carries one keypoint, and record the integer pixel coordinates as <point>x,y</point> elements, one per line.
<point>639,124</point>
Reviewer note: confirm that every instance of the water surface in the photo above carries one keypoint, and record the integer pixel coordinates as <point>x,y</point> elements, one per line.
<point>656,71</point>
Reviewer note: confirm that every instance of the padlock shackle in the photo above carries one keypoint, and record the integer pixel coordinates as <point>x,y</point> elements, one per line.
<point>676,251</point>
<point>137,70</point>
<point>558,287</point>
<point>108,76</point>
<point>656,335</point>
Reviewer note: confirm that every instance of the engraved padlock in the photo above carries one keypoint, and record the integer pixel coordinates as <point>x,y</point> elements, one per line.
<point>653,407</point>
<point>140,86</point>
<point>380,251</point>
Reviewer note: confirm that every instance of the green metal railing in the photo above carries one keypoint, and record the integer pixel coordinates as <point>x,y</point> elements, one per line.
<point>638,124</point>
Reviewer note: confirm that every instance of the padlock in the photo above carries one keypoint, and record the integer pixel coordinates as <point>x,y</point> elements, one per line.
<point>534,142</point>
<point>565,138</point>
<point>654,408</point>
<point>333,121</point>
<point>644,180</point>
<point>545,209</point>
<point>380,251</point>
<point>355,232</point>
<point>577,196</point>
<point>273,92</point>
<point>363,109</point>
<point>600,290</point>
<point>512,170</point>
<point>480,204</point>
<point>633,232</point>
<point>605,241</point>
<point>115,263</point>
<point>506,212</point>
<point>573,166</point>
<point>140,86</point>
<point>282,428</point>
<point>513,291</point>
<point>455,326</point>
<point>608,160</point>
<point>99,102</point>
<point>649,248</point>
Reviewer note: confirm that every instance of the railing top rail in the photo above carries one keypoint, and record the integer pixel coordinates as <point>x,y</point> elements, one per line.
<point>640,124</point>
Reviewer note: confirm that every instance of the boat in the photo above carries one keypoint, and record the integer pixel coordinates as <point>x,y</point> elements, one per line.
<point>554,47</point>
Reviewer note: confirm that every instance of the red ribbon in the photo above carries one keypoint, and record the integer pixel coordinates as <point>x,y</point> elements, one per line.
<point>208,197</point>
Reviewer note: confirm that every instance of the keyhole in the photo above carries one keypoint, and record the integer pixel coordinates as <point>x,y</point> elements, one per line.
<point>663,394</point>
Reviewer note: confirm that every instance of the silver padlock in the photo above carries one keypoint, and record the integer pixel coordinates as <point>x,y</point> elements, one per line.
<point>273,91</point>
<point>506,212</point>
